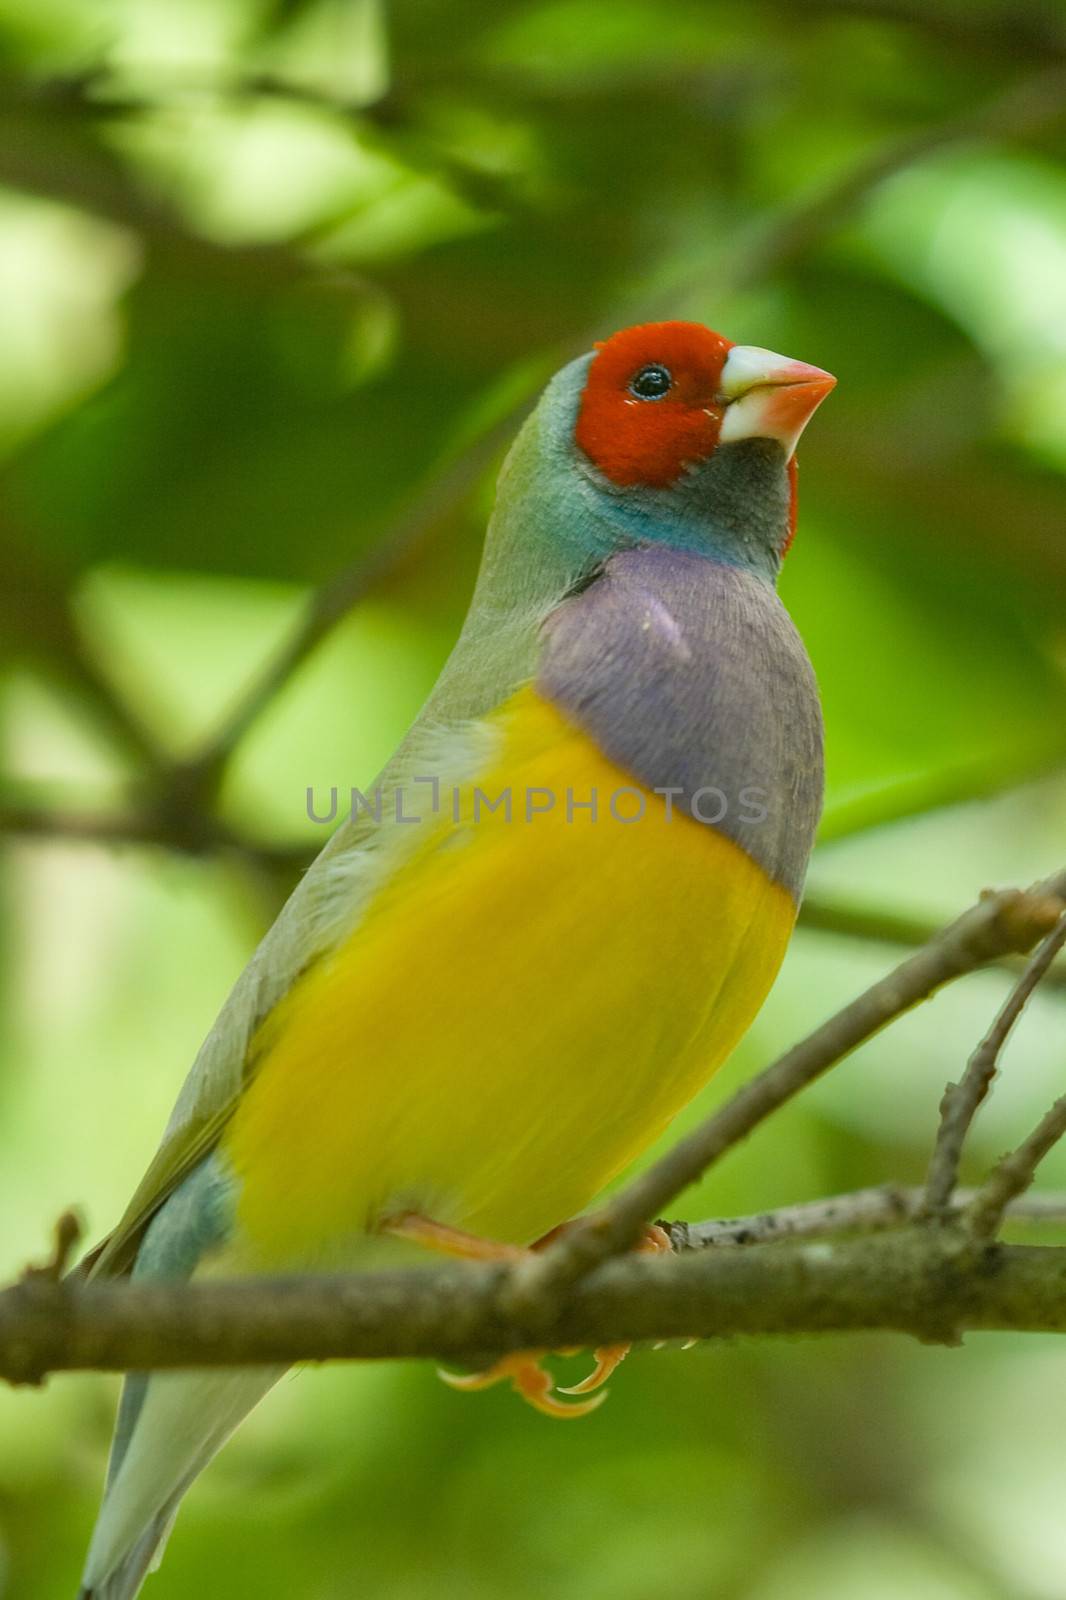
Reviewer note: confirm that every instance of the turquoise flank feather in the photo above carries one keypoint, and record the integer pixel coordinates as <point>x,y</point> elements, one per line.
<point>169,1424</point>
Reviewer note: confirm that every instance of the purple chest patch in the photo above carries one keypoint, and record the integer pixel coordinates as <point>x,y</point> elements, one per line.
<point>691,676</point>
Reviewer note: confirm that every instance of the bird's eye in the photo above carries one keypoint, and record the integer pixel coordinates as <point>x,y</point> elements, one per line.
<point>651,382</point>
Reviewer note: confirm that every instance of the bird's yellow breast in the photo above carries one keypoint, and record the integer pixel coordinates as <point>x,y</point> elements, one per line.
<point>518,1014</point>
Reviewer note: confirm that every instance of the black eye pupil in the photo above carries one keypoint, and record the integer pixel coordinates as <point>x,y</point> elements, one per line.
<point>651,382</point>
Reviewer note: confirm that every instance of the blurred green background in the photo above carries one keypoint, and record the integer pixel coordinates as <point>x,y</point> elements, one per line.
<point>277,278</point>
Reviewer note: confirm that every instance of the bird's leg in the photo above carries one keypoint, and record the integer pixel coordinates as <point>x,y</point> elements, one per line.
<point>449,1241</point>
<point>523,1368</point>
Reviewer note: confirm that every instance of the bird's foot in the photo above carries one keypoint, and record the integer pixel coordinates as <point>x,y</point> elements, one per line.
<point>523,1369</point>
<point>529,1379</point>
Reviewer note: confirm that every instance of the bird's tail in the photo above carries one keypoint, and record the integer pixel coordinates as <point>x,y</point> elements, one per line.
<point>123,1581</point>
<point>169,1427</point>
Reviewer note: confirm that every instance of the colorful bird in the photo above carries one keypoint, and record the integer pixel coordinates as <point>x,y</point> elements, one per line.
<point>552,919</point>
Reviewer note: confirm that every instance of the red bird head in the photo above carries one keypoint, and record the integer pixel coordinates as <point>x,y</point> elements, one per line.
<point>660,399</point>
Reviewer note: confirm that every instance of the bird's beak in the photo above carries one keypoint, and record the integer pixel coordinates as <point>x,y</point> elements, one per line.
<point>768,396</point>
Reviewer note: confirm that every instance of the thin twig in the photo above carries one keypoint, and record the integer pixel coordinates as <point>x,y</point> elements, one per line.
<point>35,610</point>
<point>66,1236</point>
<point>1013,1174</point>
<point>822,913</point>
<point>28,820</point>
<point>1036,104</point>
<point>862,1211</point>
<point>1007,921</point>
<point>197,835</point>
<point>1003,31</point>
<point>961,1100</point>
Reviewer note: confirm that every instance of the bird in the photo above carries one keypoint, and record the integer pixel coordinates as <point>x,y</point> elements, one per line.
<point>547,924</point>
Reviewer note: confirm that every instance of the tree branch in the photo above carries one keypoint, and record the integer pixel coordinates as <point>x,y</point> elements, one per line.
<point>921,1281</point>
<point>196,835</point>
<point>35,611</point>
<point>1014,1174</point>
<point>962,1100</point>
<point>881,925</point>
<point>862,1211</point>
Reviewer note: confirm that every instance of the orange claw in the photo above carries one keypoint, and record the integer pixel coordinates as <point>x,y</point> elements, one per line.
<point>608,1356</point>
<point>654,1240</point>
<point>528,1378</point>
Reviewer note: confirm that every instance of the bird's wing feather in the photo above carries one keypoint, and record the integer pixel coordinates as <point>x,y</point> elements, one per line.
<point>321,911</point>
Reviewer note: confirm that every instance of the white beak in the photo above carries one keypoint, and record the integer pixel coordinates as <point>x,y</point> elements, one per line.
<point>768,396</point>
